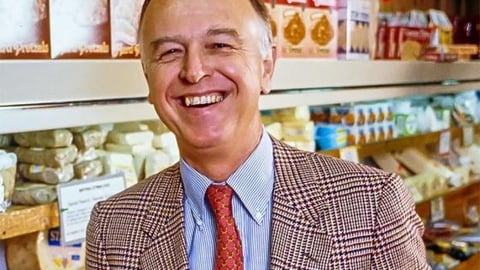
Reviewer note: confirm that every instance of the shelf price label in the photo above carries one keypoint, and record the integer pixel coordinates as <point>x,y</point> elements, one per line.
<point>349,153</point>
<point>467,135</point>
<point>437,209</point>
<point>444,142</point>
<point>76,200</point>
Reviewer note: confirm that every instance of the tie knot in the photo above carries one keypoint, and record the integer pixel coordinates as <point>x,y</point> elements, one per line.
<point>219,197</point>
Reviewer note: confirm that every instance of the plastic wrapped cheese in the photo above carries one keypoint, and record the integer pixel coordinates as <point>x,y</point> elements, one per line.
<point>88,169</point>
<point>131,138</point>
<point>48,175</point>
<point>129,149</point>
<point>5,140</point>
<point>34,194</point>
<point>89,138</point>
<point>157,126</point>
<point>130,127</point>
<point>45,138</point>
<point>42,251</point>
<point>156,162</point>
<point>119,163</point>
<point>8,162</point>
<point>51,157</point>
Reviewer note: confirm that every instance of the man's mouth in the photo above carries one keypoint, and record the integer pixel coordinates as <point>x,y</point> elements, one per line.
<point>197,101</point>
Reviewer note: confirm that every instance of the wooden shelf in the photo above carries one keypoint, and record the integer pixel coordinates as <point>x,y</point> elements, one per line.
<point>19,220</point>
<point>471,263</point>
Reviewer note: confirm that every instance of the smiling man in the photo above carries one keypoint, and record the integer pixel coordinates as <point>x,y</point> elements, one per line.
<point>238,198</point>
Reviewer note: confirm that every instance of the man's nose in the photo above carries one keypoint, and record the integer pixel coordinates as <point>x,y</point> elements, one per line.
<point>194,66</point>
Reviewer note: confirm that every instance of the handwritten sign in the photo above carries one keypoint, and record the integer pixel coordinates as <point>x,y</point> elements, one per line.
<point>76,200</point>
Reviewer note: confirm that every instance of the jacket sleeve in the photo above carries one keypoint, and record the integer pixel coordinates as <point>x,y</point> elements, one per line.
<point>96,258</point>
<point>398,229</point>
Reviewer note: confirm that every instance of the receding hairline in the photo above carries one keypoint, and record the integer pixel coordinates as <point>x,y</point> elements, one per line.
<point>258,6</point>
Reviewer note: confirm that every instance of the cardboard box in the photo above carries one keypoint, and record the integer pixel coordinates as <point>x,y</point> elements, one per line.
<point>292,35</point>
<point>80,28</point>
<point>124,19</point>
<point>25,30</point>
<point>322,37</point>
<point>354,29</point>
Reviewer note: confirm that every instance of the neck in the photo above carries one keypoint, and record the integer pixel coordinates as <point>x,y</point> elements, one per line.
<point>222,161</point>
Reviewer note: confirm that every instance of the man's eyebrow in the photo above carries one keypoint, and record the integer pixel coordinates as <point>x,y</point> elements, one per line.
<point>225,31</point>
<point>154,44</point>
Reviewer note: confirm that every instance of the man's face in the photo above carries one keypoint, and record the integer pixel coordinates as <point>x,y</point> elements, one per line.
<point>204,68</point>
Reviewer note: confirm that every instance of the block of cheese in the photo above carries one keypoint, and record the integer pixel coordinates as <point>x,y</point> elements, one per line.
<point>156,162</point>
<point>44,138</point>
<point>5,140</point>
<point>275,129</point>
<point>42,251</point>
<point>34,194</point>
<point>130,127</point>
<point>129,148</point>
<point>131,138</point>
<point>51,157</point>
<point>47,175</point>
<point>88,169</point>
<point>8,167</point>
<point>119,163</point>
<point>165,140</point>
<point>89,138</point>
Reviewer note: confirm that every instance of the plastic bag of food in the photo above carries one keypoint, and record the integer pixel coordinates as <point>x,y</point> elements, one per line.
<point>34,194</point>
<point>45,138</point>
<point>51,157</point>
<point>47,175</point>
<point>8,167</point>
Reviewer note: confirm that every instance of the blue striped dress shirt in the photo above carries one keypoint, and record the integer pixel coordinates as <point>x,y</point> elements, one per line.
<point>252,203</point>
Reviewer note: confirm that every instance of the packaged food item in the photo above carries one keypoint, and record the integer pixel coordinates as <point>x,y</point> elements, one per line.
<point>80,29</point>
<point>89,138</point>
<point>293,29</point>
<point>88,169</point>
<point>47,175</point>
<point>5,140</point>
<point>8,167</point>
<point>45,138</point>
<point>43,251</point>
<point>156,126</point>
<point>130,138</point>
<point>129,149</point>
<point>51,157</point>
<point>119,163</point>
<point>25,31</point>
<point>130,127</point>
<point>354,29</point>
<point>156,162</point>
<point>322,23</point>
<point>34,194</point>
<point>125,17</point>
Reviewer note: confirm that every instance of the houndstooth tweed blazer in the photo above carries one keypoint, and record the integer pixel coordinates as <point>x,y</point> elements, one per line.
<point>327,214</point>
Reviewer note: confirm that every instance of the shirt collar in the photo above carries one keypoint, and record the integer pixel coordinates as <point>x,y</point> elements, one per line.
<point>252,182</point>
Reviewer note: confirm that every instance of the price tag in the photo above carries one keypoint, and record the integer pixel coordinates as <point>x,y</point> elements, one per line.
<point>76,200</point>
<point>467,135</point>
<point>437,209</point>
<point>349,153</point>
<point>444,144</point>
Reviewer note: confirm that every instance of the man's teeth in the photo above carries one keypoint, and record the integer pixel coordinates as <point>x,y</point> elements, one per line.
<point>202,100</point>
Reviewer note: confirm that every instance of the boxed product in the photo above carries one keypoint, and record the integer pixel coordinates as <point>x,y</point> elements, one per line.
<point>125,17</point>
<point>292,35</point>
<point>354,29</point>
<point>80,28</point>
<point>25,31</point>
<point>322,24</point>
<point>43,251</point>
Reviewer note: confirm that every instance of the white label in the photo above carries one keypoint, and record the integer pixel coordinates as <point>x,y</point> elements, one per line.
<point>444,144</point>
<point>349,153</point>
<point>437,209</point>
<point>76,200</point>
<point>467,135</point>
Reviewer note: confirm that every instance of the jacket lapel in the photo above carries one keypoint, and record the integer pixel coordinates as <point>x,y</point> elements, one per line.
<point>163,225</point>
<point>299,239</point>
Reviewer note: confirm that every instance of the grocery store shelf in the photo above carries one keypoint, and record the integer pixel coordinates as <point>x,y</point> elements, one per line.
<point>19,220</point>
<point>368,150</point>
<point>47,94</point>
<point>52,81</point>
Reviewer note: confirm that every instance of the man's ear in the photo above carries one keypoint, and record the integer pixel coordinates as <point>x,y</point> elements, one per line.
<point>268,68</point>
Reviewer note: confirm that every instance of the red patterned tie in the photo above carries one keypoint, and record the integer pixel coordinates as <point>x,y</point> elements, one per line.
<point>228,253</point>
